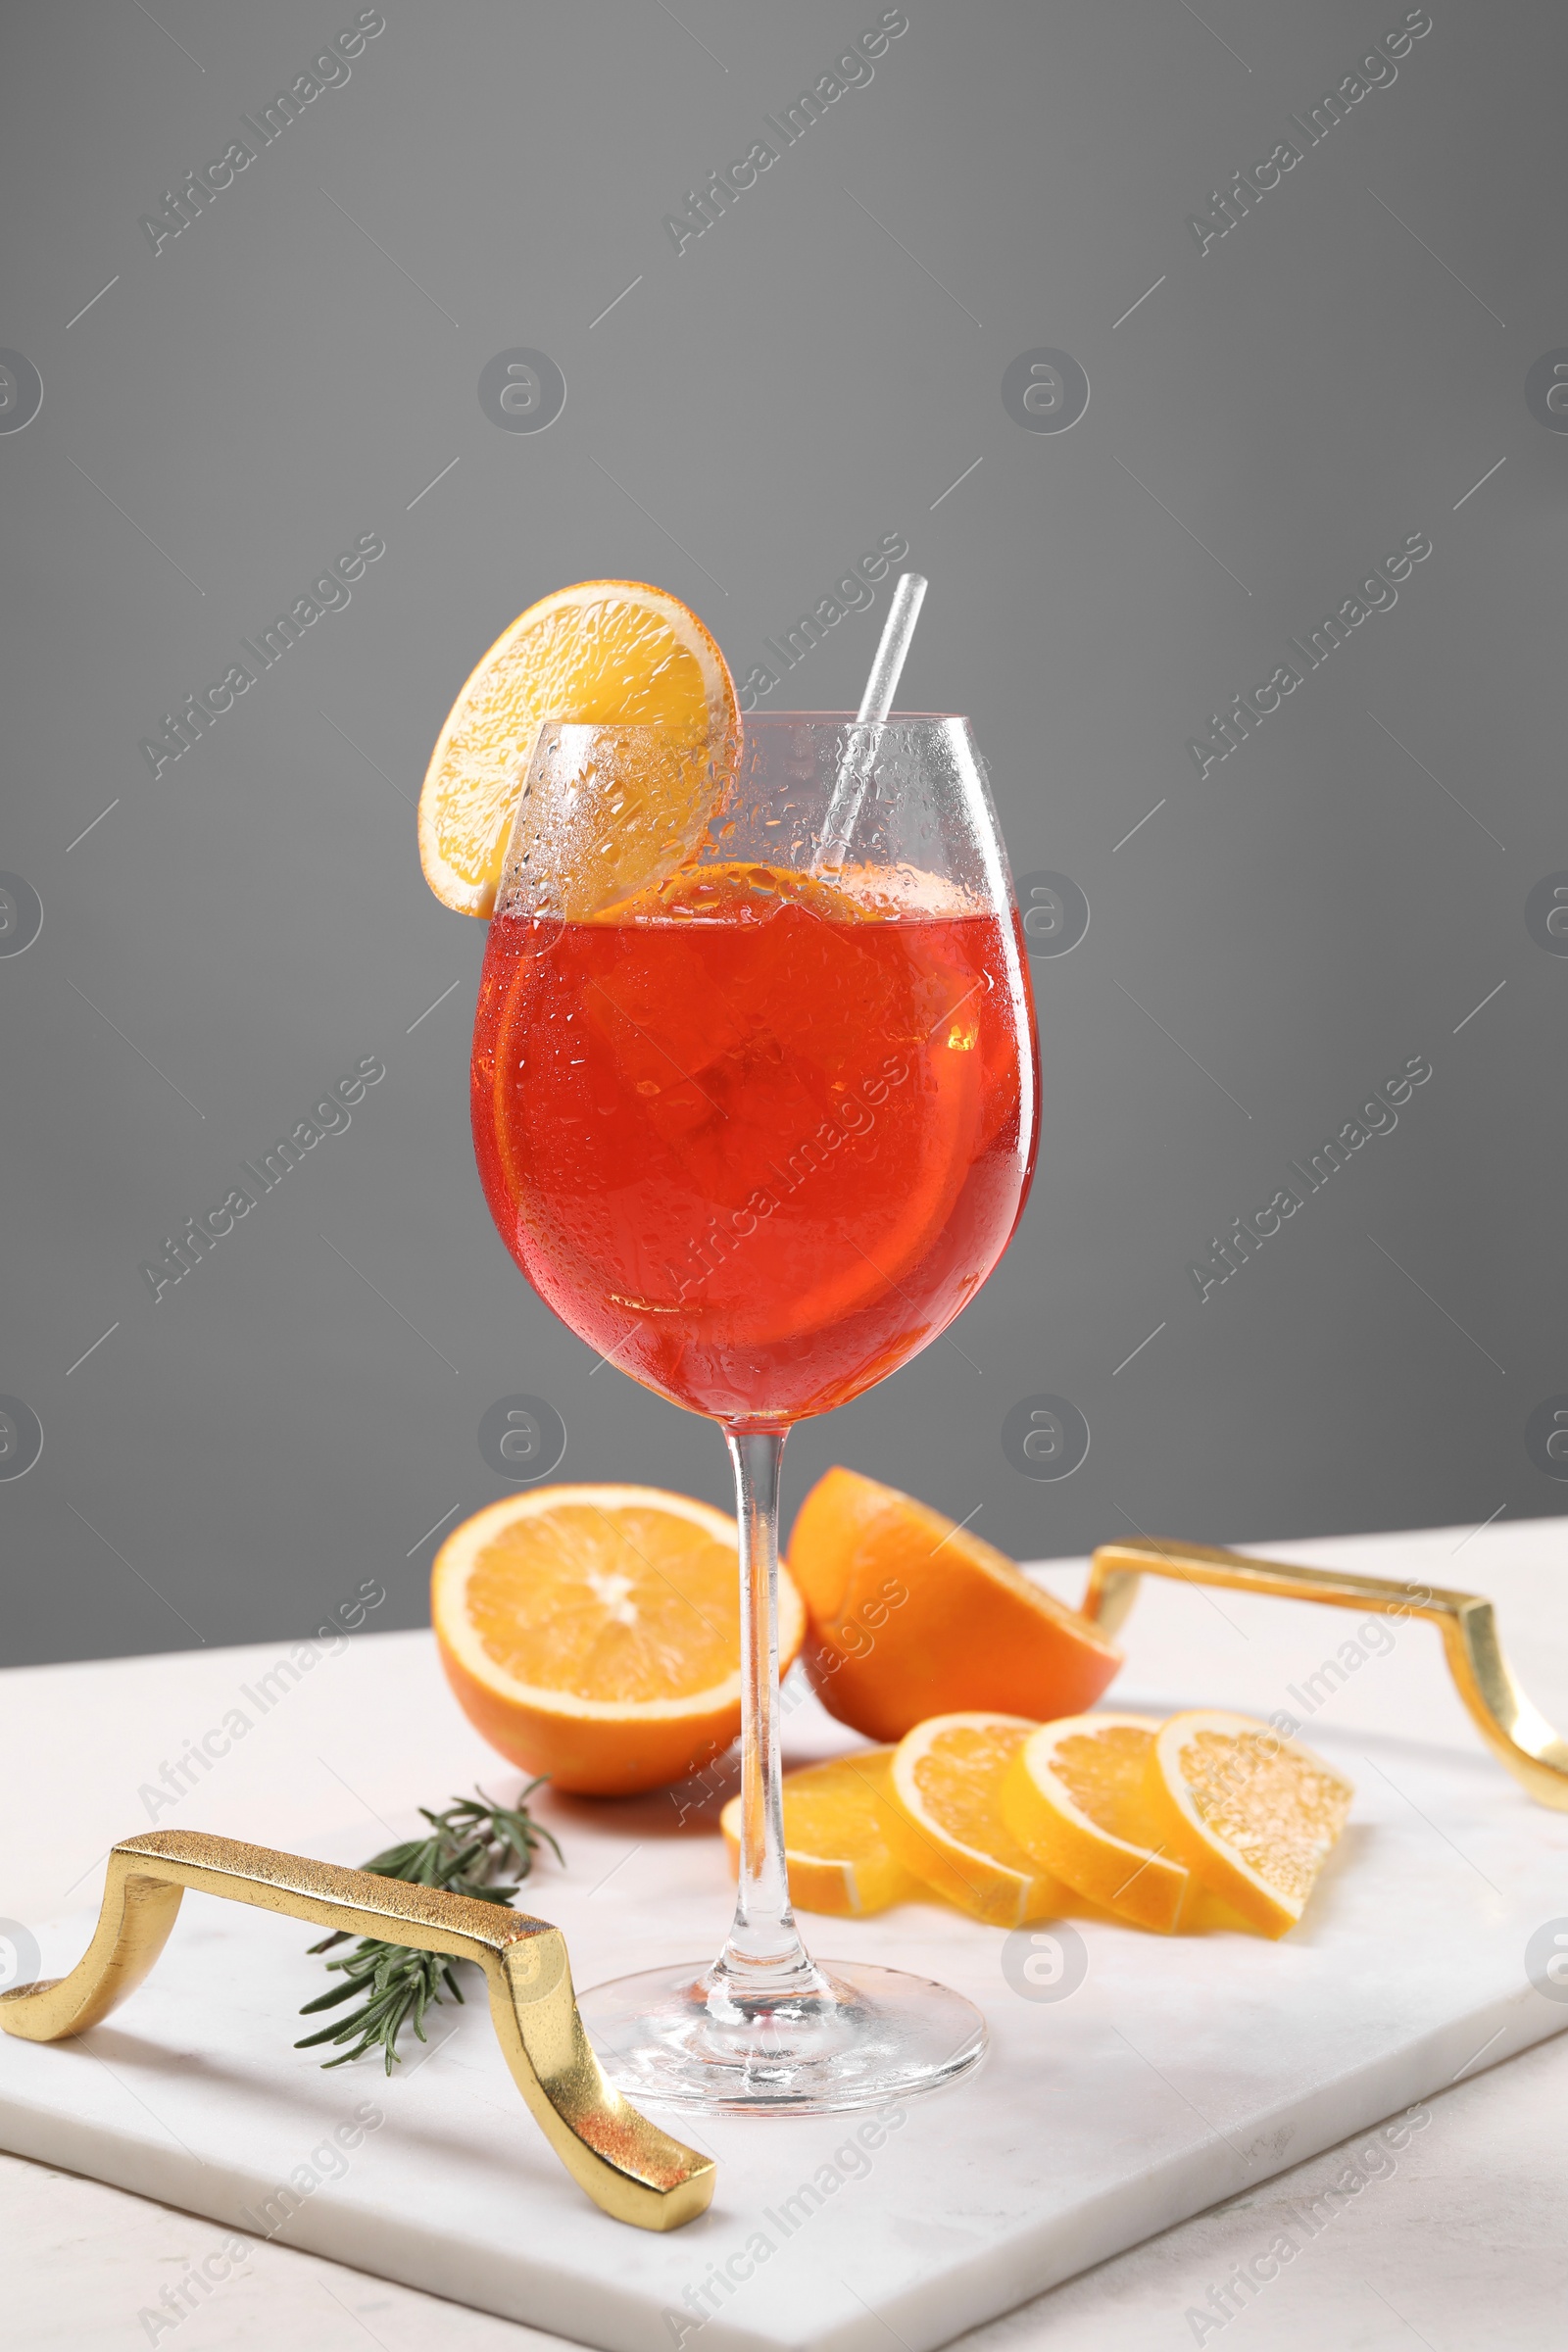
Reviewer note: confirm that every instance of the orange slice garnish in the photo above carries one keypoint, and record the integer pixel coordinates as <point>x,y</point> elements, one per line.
<point>605,653</point>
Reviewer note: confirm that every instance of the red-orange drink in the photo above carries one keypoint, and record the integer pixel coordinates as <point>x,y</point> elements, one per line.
<point>755,1138</point>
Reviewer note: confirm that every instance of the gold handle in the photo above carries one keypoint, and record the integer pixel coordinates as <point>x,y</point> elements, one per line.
<point>1517,1733</point>
<point>632,2171</point>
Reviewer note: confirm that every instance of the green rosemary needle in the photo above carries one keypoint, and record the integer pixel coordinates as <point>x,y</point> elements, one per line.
<point>468,1844</point>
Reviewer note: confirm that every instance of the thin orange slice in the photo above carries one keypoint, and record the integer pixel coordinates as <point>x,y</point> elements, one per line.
<point>1253,1815</point>
<point>947,1827</point>
<point>592,1632</point>
<point>605,653</point>
<point>836,1836</point>
<point>913,1616</point>
<point>1075,1801</point>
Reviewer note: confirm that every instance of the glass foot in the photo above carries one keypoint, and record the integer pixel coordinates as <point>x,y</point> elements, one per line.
<point>863,2037</point>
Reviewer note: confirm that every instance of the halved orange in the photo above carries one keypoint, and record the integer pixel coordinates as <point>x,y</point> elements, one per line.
<point>947,1826</point>
<point>913,1616</point>
<point>836,1836</point>
<point>1253,1815</point>
<point>605,653</point>
<point>592,1632</point>
<point>1074,1798</point>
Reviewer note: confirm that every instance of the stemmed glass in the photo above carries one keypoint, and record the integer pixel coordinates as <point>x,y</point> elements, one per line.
<point>757,1133</point>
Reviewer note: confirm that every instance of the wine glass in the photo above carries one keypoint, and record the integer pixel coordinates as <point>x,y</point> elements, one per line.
<point>757,1131</point>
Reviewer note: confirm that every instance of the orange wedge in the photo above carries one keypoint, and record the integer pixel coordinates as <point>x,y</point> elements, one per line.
<point>1253,1815</point>
<point>913,1617</point>
<point>605,653</point>
<point>836,1836</point>
<point>592,1632</point>
<point>1075,1799</point>
<point>947,1826</point>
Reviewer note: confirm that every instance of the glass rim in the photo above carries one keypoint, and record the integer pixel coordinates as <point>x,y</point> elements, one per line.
<point>852,717</point>
<point>748,718</point>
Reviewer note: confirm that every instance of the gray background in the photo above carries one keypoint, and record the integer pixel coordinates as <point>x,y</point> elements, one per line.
<point>294,368</point>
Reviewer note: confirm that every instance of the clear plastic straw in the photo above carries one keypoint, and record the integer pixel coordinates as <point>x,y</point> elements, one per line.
<point>897,630</point>
<point>855,776</point>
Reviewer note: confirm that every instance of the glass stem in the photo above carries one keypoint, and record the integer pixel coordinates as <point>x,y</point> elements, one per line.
<point>764,1955</point>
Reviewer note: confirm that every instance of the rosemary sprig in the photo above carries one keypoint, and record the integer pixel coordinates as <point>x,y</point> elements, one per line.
<point>468,1844</point>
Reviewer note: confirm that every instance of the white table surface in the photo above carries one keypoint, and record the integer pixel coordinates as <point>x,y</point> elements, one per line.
<point>1465,2243</point>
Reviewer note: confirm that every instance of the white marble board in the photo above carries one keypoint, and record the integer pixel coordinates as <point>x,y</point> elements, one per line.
<point>1179,2073</point>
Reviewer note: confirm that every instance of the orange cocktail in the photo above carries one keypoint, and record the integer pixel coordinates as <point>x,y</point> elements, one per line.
<point>757,1136</point>
<point>754,1102</point>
